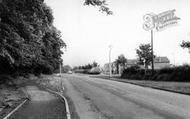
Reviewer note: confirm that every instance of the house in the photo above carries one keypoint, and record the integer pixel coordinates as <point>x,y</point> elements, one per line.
<point>131,62</point>
<point>106,68</point>
<point>161,62</point>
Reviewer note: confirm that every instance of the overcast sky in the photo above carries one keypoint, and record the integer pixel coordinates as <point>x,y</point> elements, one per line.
<point>88,32</point>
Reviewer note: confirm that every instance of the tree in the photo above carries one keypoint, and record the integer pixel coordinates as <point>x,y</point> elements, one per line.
<point>87,66</point>
<point>101,4</point>
<point>144,54</point>
<point>120,61</point>
<point>28,40</point>
<point>94,64</point>
<point>66,68</point>
<point>185,44</point>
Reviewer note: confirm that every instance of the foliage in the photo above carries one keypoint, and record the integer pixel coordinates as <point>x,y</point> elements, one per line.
<point>88,68</point>
<point>95,70</point>
<point>144,54</point>
<point>185,44</point>
<point>121,60</point>
<point>101,4</point>
<point>179,73</point>
<point>94,64</point>
<point>66,68</point>
<point>133,72</point>
<point>28,40</point>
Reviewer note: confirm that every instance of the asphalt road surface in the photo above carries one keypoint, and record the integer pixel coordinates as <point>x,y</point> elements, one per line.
<point>42,105</point>
<point>95,98</point>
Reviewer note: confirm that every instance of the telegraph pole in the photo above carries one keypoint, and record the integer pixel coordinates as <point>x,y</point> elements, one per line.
<point>60,68</point>
<point>158,21</point>
<point>152,51</point>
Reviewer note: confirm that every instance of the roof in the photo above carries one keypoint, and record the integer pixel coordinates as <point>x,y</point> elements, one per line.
<point>132,61</point>
<point>161,60</point>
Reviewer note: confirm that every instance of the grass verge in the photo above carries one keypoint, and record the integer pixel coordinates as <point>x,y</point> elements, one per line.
<point>54,83</point>
<point>12,93</point>
<point>177,87</point>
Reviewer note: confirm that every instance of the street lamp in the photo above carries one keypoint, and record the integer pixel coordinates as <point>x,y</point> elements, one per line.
<point>60,68</point>
<point>61,63</point>
<point>110,67</point>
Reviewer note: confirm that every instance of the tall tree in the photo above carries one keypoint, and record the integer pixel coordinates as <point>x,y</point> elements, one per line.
<point>94,64</point>
<point>28,39</point>
<point>144,54</point>
<point>120,61</point>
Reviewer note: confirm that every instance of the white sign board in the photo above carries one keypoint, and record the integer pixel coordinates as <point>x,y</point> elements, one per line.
<point>160,21</point>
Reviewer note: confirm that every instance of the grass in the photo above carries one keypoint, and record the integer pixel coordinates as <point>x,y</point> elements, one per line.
<point>12,93</point>
<point>178,87</point>
<point>53,82</point>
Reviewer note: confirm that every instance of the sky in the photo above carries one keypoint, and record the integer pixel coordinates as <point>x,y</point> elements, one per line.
<point>88,32</point>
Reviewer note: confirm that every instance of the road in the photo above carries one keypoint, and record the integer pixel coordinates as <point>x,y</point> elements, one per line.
<point>95,98</point>
<point>42,105</point>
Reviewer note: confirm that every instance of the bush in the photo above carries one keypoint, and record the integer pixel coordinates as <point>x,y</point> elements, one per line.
<point>95,70</point>
<point>133,72</point>
<point>84,71</point>
<point>180,73</point>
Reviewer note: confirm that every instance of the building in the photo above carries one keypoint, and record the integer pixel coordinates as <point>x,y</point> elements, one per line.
<point>106,68</point>
<point>131,62</point>
<point>161,62</point>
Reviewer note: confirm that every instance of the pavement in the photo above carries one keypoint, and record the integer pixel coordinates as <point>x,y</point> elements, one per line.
<point>95,98</point>
<point>42,105</point>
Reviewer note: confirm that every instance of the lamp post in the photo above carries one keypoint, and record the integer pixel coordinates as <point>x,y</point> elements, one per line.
<point>152,51</point>
<point>110,67</point>
<point>60,68</point>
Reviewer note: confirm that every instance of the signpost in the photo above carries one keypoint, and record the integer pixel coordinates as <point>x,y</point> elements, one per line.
<point>158,22</point>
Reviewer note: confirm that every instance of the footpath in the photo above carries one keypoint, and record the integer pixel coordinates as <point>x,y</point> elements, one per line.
<point>41,104</point>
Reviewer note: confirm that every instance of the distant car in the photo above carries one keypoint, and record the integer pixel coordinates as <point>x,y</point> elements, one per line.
<point>69,72</point>
<point>58,74</point>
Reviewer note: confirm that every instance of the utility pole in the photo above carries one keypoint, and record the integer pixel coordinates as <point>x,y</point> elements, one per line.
<point>158,21</point>
<point>110,67</point>
<point>60,68</point>
<point>152,51</point>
